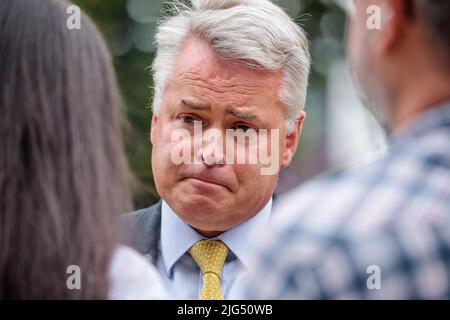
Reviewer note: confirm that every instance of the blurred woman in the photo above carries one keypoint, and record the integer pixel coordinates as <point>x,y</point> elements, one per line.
<point>63,172</point>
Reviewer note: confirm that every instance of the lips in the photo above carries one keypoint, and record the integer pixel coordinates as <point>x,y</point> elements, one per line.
<point>210,182</point>
<point>208,178</point>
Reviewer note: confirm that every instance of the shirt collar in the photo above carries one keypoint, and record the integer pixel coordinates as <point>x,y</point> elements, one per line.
<point>177,236</point>
<point>240,239</point>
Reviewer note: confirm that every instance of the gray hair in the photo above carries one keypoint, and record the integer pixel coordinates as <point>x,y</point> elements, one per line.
<point>256,32</point>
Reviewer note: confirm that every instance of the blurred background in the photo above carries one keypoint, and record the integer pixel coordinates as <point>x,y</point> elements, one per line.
<point>337,133</point>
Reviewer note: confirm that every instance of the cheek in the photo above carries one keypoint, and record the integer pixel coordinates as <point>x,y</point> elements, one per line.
<point>251,181</point>
<point>245,174</point>
<point>278,146</point>
<point>165,139</point>
<point>162,163</point>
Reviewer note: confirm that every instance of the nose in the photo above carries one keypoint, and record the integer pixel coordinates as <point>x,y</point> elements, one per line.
<point>212,148</point>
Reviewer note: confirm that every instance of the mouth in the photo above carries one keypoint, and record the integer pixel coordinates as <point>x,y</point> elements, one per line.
<point>203,182</point>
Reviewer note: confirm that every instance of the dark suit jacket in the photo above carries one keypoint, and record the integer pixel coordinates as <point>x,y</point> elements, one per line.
<point>142,229</point>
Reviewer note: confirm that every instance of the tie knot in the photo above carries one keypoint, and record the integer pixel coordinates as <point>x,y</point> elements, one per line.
<point>209,255</point>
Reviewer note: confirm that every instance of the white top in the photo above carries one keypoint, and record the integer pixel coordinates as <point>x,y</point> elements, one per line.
<point>131,277</point>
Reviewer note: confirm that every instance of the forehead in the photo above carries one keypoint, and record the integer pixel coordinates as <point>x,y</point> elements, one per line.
<point>199,67</point>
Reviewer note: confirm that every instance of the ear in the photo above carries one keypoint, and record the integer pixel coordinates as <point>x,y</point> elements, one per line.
<point>292,140</point>
<point>153,128</point>
<point>394,18</point>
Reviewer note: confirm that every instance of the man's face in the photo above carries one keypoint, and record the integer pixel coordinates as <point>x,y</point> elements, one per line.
<point>220,95</point>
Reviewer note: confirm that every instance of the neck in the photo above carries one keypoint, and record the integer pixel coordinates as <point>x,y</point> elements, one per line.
<point>419,95</point>
<point>209,234</point>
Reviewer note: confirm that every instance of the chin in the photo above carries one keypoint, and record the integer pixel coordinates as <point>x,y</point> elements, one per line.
<point>201,202</point>
<point>191,194</point>
<point>202,213</point>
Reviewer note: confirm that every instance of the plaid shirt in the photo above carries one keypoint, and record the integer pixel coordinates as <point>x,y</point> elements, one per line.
<point>381,232</point>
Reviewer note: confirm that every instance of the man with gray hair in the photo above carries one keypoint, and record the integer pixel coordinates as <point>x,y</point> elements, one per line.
<point>383,231</point>
<point>222,66</point>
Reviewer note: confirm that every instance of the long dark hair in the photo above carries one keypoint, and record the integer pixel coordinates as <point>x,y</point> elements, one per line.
<point>63,172</point>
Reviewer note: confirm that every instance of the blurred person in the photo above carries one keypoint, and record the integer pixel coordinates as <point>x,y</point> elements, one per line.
<point>223,65</point>
<point>380,232</point>
<point>63,172</point>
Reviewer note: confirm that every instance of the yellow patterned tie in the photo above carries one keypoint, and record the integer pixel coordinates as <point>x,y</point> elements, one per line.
<point>210,257</point>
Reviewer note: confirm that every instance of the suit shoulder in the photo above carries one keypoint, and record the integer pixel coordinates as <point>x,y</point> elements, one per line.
<point>142,215</point>
<point>141,229</point>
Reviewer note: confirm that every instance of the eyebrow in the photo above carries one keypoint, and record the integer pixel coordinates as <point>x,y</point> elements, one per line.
<point>243,115</point>
<point>194,105</point>
<point>202,106</point>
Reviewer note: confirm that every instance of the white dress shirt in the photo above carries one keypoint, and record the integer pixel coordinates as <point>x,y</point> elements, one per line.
<point>181,275</point>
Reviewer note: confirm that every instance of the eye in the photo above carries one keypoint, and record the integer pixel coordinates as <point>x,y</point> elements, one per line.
<point>242,127</point>
<point>189,119</point>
